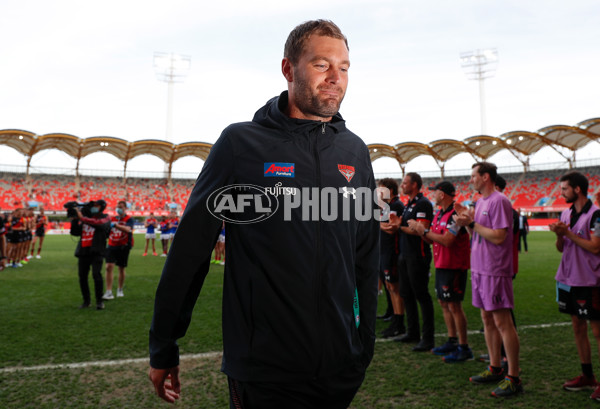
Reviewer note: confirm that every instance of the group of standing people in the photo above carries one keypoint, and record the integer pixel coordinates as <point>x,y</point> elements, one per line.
<point>19,232</point>
<point>480,238</point>
<point>95,228</point>
<point>110,238</point>
<point>167,226</point>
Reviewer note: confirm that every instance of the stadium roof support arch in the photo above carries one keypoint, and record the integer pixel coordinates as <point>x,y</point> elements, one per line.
<point>28,144</point>
<point>521,144</point>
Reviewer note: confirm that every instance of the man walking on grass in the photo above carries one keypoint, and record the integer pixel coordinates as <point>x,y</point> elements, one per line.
<point>300,290</point>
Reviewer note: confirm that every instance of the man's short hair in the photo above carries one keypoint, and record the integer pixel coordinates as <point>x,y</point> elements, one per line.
<point>487,167</point>
<point>122,202</point>
<point>390,184</point>
<point>294,46</point>
<point>415,178</point>
<point>576,179</point>
<point>500,182</point>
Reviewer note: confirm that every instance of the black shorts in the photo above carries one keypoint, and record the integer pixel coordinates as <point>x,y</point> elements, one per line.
<point>117,255</point>
<point>583,302</point>
<point>14,236</point>
<point>450,285</point>
<point>40,232</point>
<point>389,266</point>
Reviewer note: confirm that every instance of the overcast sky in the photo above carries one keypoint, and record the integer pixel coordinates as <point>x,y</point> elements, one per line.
<point>86,68</point>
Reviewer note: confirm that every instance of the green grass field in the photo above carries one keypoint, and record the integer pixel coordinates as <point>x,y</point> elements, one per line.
<point>41,325</point>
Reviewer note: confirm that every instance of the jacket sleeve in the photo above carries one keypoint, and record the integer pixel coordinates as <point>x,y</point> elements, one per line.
<point>189,259</point>
<point>97,221</point>
<point>367,275</point>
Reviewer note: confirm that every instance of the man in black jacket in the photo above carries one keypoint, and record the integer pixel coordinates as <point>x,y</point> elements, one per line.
<point>92,230</point>
<point>300,286</point>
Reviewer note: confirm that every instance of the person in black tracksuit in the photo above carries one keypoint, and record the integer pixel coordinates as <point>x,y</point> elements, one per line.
<point>413,265</point>
<point>93,232</point>
<point>300,287</point>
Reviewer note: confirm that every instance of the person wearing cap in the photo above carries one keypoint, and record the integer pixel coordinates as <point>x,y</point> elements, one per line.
<point>451,256</point>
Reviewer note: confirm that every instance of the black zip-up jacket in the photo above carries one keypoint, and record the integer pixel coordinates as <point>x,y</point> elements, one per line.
<point>289,286</point>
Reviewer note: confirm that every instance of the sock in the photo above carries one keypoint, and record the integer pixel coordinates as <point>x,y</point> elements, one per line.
<point>496,370</point>
<point>515,379</point>
<point>587,370</point>
<point>453,340</point>
<point>464,346</point>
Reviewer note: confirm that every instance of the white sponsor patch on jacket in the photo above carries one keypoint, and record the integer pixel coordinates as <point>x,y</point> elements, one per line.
<point>421,215</point>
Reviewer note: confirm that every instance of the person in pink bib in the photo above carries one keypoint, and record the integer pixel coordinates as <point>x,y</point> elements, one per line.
<point>578,275</point>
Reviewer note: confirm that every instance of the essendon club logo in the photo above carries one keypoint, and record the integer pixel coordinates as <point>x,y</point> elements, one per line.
<point>581,303</point>
<point>347,171</point>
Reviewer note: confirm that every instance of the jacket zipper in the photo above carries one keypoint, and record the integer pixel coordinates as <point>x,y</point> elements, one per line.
<point>318,279</point>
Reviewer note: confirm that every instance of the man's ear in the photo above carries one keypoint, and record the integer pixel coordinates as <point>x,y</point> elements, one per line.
<point>287,69</point>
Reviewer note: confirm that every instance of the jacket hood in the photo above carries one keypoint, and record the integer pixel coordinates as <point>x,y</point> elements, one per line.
<point>271,115</point>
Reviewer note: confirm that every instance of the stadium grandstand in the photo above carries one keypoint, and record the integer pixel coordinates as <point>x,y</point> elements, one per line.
<point>531,190</point>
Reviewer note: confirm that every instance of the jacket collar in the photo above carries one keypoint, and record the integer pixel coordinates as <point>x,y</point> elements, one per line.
<point>271,115</point>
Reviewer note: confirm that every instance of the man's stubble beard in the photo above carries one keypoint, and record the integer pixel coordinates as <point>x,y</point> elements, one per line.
<point>311,104</point>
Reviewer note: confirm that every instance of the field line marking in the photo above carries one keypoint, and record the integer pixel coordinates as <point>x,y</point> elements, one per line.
<point>116,362</point>
<point>519,327</point>
<point>205,355</point>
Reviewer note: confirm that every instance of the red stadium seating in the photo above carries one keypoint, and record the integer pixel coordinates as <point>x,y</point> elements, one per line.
<point>532,192</point>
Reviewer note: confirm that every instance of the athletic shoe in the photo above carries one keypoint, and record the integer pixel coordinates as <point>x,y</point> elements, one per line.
<point>18,265</point>
<point>407,338</point>
<point>423,346</point>
<point>596,394</point>
<point>84,305</point>
<point>579,383</point>
<point>108,295</point>
<point>222,263</point>
<point>154,253</point>
<point>163,255</point>
<point>100,306</point>
<point>507,388</point>
<point>120,292</point>
<point>487,376</point>
<point>24,261</point>
<point>459,355</point>
<point>445,349</point>
<point>392,331</point>
<point>388,314</point>
<point>144,255</point>
<point>484,358</point>
<point>38,256</point>
<point>29,257</point>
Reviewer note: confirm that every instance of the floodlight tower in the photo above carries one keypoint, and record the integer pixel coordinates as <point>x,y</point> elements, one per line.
<point>480,65</point>
<point>171,68</point>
